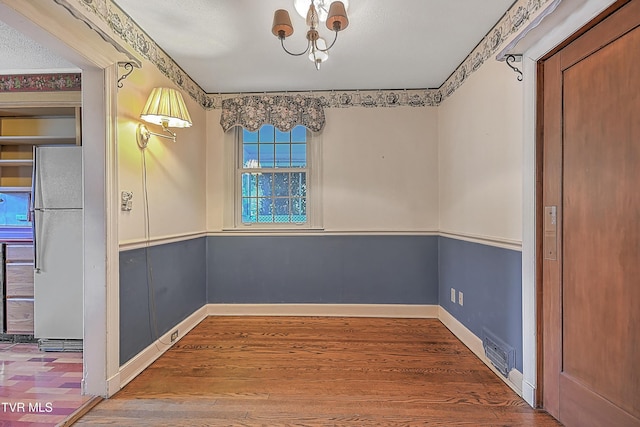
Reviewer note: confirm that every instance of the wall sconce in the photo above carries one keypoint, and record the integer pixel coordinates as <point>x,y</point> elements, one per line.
<point>165,107</point>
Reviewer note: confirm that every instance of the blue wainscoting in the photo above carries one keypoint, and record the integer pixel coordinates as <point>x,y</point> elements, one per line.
<point>372,269</point>
<point>174,280</point>
<point>346,269</point>
<point>491,280</point>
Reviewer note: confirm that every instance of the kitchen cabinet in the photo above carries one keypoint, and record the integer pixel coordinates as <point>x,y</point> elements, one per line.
<point>21,129</point>
<point>19,288</point>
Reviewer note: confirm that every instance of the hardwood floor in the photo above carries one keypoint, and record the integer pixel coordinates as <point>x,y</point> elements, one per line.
<point>274,371</point>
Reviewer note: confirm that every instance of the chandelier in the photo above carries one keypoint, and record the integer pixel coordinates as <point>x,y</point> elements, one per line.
<point>316,49</point>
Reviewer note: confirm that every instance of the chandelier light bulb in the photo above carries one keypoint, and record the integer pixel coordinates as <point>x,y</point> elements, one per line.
<point>318,53</point>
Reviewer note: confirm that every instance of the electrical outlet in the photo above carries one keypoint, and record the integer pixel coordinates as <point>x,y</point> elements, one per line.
<point>453,295</point>
<point>460,298</point>
<point>174,336</point>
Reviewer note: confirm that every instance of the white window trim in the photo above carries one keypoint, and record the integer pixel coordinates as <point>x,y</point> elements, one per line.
<point>231,212</point>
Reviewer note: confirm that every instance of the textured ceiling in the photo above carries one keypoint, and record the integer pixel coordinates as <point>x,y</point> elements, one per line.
<point>227,46</point>
<point>19,54</point>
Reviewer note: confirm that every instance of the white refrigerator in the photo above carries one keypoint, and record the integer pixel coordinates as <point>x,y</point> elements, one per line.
<point>58,242</point>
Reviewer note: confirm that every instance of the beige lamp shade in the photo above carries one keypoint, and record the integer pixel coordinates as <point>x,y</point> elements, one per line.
<point>281,22</point>
<point>337,19</point>
<point>166,107</point>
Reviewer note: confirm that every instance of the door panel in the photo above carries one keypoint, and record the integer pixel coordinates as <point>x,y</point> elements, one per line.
<point>601,202</point>
<point>592,136</point>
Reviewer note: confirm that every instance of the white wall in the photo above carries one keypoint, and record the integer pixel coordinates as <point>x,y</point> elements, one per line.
<point>215,171</point>
<point>175,171</point>
<point>480,155</point>
<point>379,170</point>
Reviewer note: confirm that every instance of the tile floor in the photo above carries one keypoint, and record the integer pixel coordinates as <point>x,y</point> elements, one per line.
<point>38,388</point>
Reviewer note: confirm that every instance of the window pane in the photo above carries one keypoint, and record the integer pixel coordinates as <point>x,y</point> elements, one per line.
<point>266,133</point>
<point>299,184</point>
<point>266,155</point>
<point>281,210</point>
<point>273,197</point>
<point>281,186</point>
<point>249,136</point>
<point>249,185</point>
<point>282,136</point>
<point>249,209</point>
<point>299,134</point>
<point>265,213</point>
<point>250,156</point>
<point>298,155</point>
<point>298,210</point>
<point>265,184</point>
<point>283,155</point>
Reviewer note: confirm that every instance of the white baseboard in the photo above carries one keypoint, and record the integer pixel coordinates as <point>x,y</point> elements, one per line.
<point>325,310</point>
<point>113,384</point>
<point>474,343</point>
<point>529,393</point>
<point>146,357</point>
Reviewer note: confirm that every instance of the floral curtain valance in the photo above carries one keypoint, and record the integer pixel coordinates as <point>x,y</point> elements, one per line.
<point>282,111</point>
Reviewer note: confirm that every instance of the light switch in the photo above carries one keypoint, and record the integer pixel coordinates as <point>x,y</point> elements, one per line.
<point>126,203</point>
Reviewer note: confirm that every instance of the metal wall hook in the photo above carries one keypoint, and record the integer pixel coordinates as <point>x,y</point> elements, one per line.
<point>127,66</point>
<point>510,59</point>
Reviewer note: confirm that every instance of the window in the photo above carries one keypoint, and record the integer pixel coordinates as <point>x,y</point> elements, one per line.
<point>274,179</point>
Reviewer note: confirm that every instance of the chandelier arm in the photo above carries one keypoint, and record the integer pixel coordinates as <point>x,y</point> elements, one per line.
<point>335,39</point>
<point>295,54</point>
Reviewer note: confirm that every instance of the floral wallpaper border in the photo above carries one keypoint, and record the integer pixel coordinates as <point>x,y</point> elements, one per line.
<point>520,13</point>
<point>351,98</point>
<point>122,26</point>
<point>511,22</point>
<point>40,82</point>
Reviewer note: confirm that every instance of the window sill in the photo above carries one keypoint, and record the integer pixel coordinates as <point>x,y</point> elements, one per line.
<point>272,230</point>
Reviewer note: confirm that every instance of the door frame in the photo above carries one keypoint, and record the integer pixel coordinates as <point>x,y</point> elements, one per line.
<point>537,46</point>
<point>549,313</point>
<point>55,28</point>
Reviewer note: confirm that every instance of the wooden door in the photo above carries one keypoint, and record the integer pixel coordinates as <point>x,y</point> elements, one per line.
<point>591,238</point>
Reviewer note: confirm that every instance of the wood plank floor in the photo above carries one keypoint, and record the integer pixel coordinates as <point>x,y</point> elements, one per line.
<point>275,371</point>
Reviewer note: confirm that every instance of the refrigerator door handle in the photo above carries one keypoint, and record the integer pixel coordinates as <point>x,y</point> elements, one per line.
<point>33,180</point>
<point>32,210</point>
<point>36,257</point>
